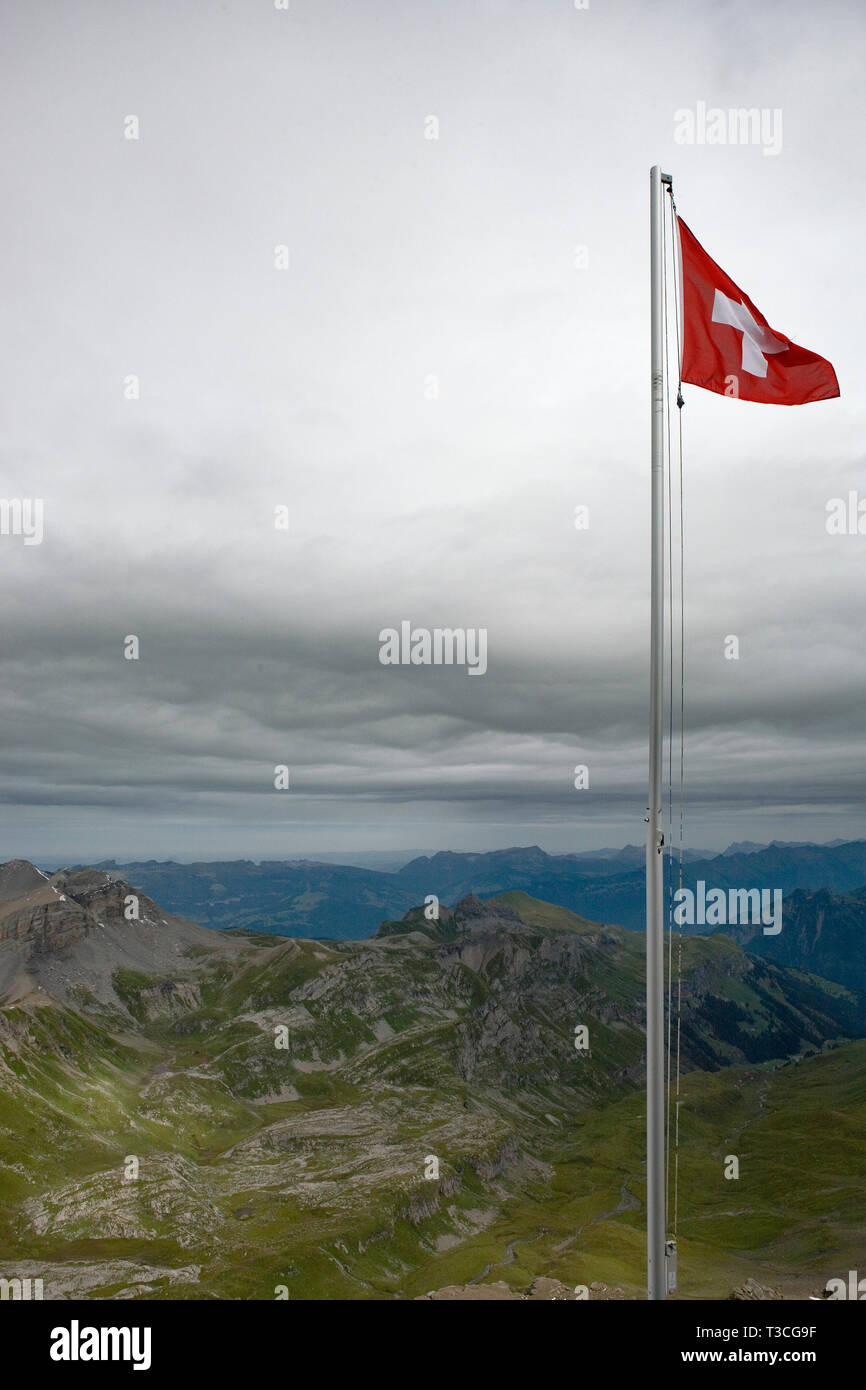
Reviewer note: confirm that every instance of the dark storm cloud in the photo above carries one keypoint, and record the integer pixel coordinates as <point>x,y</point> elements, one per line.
<point>411,260</point>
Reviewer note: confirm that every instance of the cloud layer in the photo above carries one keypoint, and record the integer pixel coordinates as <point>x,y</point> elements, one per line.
<point>431,388</point>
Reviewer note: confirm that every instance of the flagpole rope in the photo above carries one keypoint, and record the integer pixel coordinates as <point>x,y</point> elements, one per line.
<point>670,581</point>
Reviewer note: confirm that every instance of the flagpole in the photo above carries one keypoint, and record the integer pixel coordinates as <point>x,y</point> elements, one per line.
<point>655,1154</point>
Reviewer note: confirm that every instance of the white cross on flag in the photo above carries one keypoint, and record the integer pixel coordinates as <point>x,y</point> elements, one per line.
<point>729,347</point>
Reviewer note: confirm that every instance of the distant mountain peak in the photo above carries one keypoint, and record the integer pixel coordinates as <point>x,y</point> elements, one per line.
<point>470,906</point>
<point>71,931</point>
<point>18,877</point>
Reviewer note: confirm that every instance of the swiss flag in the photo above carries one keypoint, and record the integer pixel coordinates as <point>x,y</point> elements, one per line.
<point>729,347</point>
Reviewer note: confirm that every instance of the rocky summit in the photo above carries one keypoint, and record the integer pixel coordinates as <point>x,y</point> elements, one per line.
<point>68,933</point>
<point>453,1104</point>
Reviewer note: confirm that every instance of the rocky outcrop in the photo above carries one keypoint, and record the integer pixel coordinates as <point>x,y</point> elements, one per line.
<point>753,1290</point>
<point>67,935</point>
<point>170,999</point>
<point>45,922</point>
<point>539,1291</point>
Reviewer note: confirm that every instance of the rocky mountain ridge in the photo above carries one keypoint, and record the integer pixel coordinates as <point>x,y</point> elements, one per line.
<point>74,929</point>
<point>375,1118</point>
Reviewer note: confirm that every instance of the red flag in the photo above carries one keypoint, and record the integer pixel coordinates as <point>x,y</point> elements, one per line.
<point>729,347</point>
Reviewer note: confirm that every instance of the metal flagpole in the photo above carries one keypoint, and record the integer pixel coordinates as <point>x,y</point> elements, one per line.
<point>655,1153</point>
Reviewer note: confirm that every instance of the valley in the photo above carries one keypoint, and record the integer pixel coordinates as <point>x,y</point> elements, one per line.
<point>253,1117</point>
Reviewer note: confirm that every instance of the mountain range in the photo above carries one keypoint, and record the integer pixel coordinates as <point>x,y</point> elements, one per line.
<point>339,902</point>
<point>190,1113</point>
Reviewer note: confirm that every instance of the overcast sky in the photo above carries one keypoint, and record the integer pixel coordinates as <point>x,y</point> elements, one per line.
<point>410,259</point>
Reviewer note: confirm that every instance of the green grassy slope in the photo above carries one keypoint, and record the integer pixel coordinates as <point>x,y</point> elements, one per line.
<point>303,1166</point>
